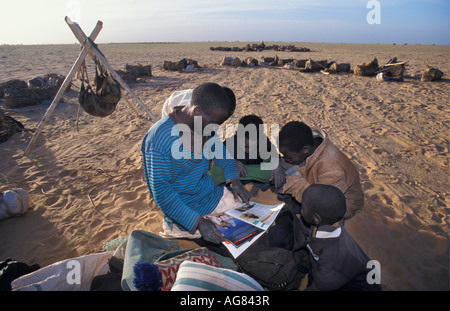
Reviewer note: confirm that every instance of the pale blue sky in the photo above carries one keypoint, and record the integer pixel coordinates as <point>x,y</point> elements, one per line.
<point>402,21</point>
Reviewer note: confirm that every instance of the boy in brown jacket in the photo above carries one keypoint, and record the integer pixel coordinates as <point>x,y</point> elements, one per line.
<point>320,162</point>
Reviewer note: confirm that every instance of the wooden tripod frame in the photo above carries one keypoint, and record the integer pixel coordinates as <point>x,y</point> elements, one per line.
<point>94,53</point>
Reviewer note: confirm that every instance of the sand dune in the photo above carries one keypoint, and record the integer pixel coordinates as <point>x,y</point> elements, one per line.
<point>87,187</point>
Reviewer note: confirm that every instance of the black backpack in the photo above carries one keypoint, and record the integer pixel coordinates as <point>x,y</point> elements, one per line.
<point>278,260</point>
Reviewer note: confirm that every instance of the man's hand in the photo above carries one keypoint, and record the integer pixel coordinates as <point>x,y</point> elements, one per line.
<point>241,168</point>
<point>209,231</point>
<point>278,176</point>
<point>238,190</point>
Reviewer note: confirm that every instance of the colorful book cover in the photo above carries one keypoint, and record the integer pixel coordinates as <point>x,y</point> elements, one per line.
<point>245,224</point>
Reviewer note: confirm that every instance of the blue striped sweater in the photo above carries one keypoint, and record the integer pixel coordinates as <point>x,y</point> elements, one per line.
<point>181,187</point>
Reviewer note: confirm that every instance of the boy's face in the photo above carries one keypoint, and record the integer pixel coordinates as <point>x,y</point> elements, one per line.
<point>247,145</point>
<point>217,116</point>
<point>293,157</point>
<point>307,212</point>
<point>250,144</point>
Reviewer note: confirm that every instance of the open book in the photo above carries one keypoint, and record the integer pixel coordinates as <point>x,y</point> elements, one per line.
<point>243,225</point>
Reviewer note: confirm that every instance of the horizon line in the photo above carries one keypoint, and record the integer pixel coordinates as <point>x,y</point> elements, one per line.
<point>227,41</point>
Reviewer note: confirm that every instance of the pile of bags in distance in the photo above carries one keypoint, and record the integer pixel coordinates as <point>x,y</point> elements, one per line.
<point>261,47</point>
<point>18,93</point>
<point>393,71</point>
<point>306,65</point>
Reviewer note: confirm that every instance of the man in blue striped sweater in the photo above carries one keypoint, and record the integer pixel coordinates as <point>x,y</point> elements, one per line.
<point>177,153</point>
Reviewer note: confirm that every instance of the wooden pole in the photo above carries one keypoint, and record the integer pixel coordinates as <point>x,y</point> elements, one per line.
<point>80,35</point>
<point>76,66</point>
<point>131,106</point>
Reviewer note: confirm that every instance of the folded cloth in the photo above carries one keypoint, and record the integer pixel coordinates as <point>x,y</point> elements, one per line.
<point>13,202</point>
<point>161,275</point>
<point>177,99</point>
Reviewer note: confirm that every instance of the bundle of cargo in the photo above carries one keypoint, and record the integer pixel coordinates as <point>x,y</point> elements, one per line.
<point>132,72</point>
<point>367,68</point>
<point>18,93</point>
<point>181,66</point>
<point>431,74</point>
<point>392,71</point>
<point>339,67</point>
<point>236,62</point>
<point>312,65</point>
<point>231,61</point>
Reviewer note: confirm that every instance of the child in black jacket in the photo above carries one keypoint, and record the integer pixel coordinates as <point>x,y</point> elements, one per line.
<point>337,261</point>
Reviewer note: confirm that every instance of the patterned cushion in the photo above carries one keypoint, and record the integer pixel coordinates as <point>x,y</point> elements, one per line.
<point>194,276</point>
<point>169,268</point>
<point>161,274</point>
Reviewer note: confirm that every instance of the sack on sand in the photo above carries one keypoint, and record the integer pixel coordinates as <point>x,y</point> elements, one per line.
<point>431,74</point>
<point>367,68</point>
<point>340,67</point>
<point>17,94</point>
<point>312,65</point>
<point>13,203</point>
<point>74,274</point>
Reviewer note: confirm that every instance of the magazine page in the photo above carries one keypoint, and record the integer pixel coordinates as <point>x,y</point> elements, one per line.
<point>257,214</point>
<point>236,251</point>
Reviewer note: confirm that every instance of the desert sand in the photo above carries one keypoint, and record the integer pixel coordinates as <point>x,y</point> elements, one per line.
<point>87,187</point>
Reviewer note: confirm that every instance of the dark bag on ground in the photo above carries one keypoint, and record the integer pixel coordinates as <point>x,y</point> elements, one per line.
<point>112,280</point>
<point>11,269</point>
<point>278,260</point>
<point>8,127</point>
<point>103,101</point>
